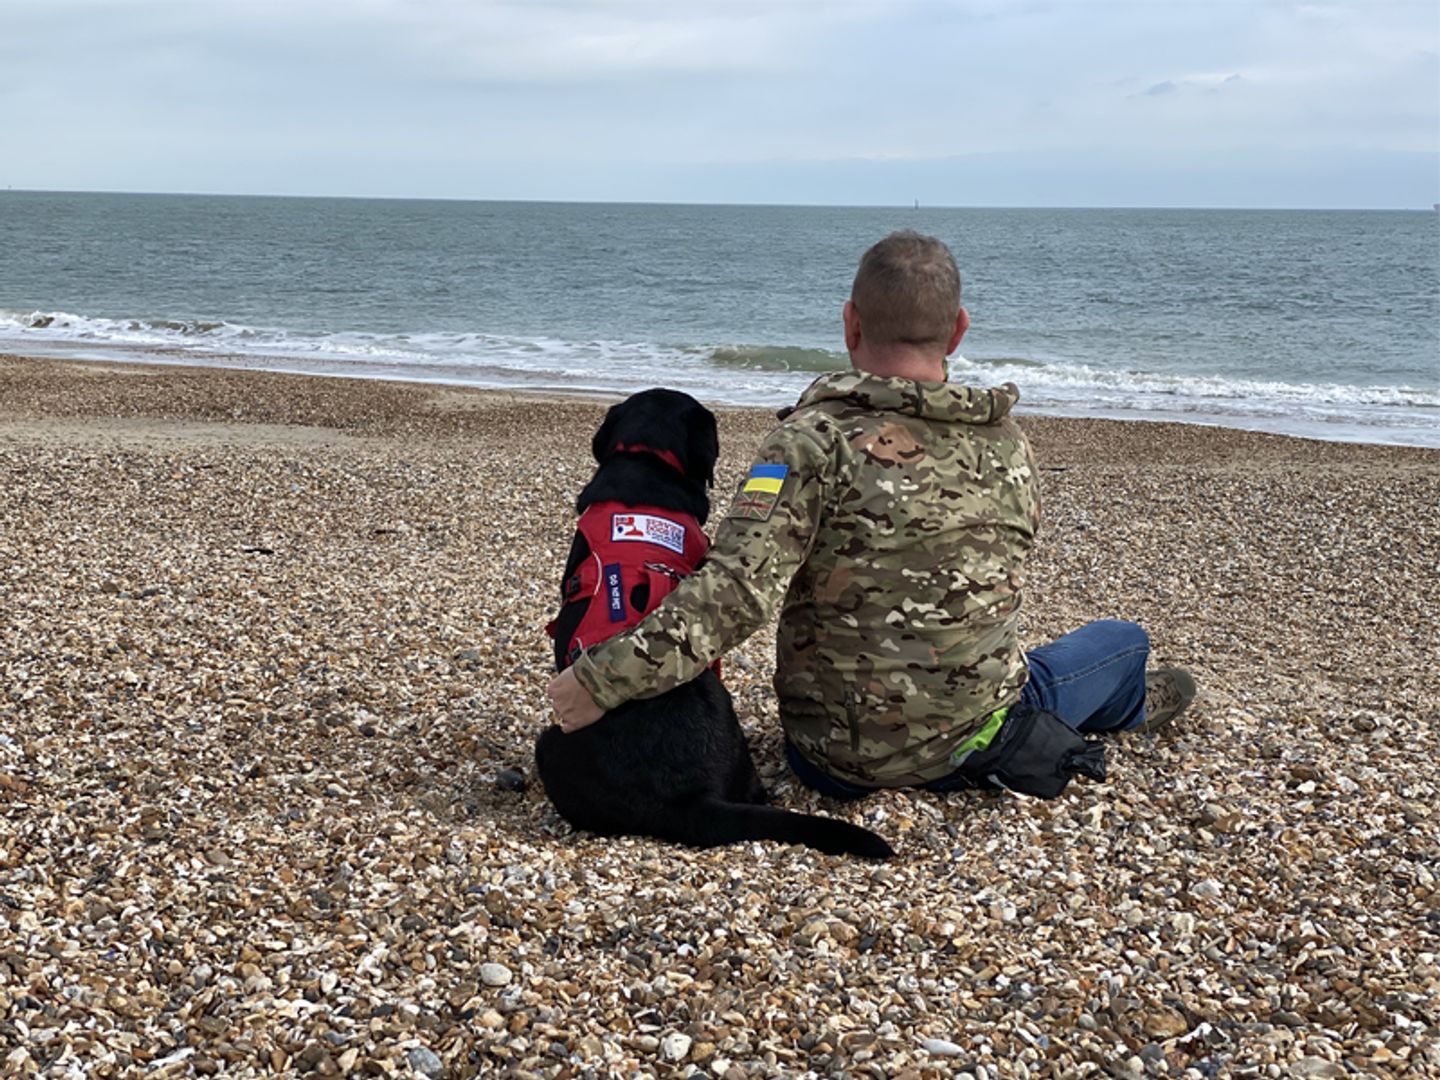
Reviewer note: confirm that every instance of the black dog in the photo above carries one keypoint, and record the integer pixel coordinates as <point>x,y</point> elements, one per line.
<point>675,766</point>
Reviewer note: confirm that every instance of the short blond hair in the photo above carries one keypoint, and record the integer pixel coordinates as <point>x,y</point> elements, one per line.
<point>907,291</point>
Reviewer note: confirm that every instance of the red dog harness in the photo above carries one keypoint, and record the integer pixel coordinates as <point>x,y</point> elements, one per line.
<point>629,546</point>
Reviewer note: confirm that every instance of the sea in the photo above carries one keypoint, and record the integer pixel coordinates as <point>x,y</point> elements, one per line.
<point>1323,324</point>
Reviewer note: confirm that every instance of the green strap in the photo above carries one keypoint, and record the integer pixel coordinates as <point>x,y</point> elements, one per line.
<point>982,738</point>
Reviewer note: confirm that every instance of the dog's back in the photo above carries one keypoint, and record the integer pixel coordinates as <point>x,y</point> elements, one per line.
<point>675,766</point>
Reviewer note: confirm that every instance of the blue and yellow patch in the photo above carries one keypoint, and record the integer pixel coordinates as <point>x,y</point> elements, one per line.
<point>760,492</point>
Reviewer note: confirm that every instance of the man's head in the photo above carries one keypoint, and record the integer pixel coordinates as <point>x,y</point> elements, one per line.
<point>905,304</point>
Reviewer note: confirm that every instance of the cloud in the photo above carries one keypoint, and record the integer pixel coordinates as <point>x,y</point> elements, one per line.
<point>466,96</point>
<point>568,42</point>
<point>494,40</point>
<point>1197,83</point>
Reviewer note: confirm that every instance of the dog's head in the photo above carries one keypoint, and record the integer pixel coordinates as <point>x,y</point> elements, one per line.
<point>665,422</point>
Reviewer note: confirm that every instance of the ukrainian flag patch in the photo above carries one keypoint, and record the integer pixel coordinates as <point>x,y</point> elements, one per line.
<point>760,492</point>
<point>766,478</point>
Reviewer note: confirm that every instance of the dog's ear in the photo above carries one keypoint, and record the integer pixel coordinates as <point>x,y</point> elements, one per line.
<point>703,437</point>
<point>601,445</point>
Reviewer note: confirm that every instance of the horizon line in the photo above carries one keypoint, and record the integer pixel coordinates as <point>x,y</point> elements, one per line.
<point>909,204</point>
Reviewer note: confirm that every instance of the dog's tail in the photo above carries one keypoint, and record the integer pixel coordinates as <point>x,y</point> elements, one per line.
<point>714,822</point>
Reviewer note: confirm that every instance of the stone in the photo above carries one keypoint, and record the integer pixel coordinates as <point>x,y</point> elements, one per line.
<point>942,1047</point>
<point>1314,1068</point>
<point>426,1062</point>
<point>1208,889</point>
<point>675,1046</point>
<point>492,974</point>
<point>510,780</point>
<point>1164,1023</point>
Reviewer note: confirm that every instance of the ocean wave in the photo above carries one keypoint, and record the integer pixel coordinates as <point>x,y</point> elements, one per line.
<point>779,358</point>
<point>1168,390</point>
<point>737,374</point>
<point>83,326</point>
<point>202,337</point>
<point>467,358</point>
<point>1042,379</point>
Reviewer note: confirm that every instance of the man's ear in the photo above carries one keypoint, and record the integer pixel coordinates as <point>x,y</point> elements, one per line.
<point>851,316</point>
<point>962,323</point>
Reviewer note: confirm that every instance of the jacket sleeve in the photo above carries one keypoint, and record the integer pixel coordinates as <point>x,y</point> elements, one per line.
<point>761,542</point>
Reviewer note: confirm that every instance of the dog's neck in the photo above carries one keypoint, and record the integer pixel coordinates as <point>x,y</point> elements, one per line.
<point>667,456</point>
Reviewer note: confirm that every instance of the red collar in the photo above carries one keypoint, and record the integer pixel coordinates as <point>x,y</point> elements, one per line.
<point>667,456</point>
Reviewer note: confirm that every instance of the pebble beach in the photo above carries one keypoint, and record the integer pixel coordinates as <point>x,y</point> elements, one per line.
<point>272,664</point>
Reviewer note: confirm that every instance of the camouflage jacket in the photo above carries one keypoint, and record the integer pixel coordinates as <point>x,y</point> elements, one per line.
<point>893,517</point>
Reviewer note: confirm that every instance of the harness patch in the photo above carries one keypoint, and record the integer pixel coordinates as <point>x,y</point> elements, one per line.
<point>649,529</point>
<point>614,592</point>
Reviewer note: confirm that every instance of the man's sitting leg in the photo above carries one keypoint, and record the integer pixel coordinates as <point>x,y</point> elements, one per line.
<point>1094,679</point>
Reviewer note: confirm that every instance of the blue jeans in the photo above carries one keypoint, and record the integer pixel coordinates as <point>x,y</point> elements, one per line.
<point>1093,678</point>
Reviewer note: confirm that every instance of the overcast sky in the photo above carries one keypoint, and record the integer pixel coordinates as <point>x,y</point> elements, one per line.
<point>952,102</point>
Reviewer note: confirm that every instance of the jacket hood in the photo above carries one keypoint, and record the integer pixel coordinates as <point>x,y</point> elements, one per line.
<point>942,401</point>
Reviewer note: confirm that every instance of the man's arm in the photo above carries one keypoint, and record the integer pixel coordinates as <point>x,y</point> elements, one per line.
<point>760,544</point>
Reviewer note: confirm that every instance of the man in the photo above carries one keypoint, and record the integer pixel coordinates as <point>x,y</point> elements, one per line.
<point>892,513</point>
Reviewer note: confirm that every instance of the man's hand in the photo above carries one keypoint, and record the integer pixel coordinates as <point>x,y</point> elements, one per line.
<point>572,702</point>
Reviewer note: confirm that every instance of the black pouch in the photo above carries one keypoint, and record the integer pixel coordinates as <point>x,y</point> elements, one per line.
<point>1035,753</point>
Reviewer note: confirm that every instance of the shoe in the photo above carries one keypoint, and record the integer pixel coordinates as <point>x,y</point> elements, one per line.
<point>1168,690</point>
